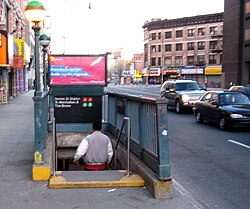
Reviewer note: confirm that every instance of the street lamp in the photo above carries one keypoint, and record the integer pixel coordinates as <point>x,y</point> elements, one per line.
<point>35,13</point>
<point>44,41</point>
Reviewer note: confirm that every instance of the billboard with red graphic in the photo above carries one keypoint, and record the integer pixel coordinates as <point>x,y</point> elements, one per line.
<point>78,70</point>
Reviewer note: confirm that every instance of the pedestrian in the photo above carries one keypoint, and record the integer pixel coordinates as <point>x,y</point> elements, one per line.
<point>95,149</point>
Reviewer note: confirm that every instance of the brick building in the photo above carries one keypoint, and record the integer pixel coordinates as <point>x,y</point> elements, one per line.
<point>189,48</point>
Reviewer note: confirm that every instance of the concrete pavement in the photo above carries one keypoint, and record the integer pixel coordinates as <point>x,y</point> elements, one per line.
<point>18,191</point>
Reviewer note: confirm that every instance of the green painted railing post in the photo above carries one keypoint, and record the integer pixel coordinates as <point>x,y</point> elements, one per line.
<point>164,171</point>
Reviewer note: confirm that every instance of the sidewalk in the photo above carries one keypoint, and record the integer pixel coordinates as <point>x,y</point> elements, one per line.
<point>18,191</point>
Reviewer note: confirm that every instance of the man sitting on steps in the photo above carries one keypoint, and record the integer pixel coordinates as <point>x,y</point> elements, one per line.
<point>95,149</point>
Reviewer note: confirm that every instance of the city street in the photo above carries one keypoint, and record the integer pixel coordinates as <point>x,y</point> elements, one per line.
<point>213,165</point>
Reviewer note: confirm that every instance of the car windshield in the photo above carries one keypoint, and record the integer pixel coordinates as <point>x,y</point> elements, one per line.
<point>237,98</point>
<point>187,86</point>
<point>248,90</point>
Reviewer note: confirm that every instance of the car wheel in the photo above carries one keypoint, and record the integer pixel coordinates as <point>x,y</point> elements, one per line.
<point>178,107</point>
<point>198,117</point>
<point>222,123</point>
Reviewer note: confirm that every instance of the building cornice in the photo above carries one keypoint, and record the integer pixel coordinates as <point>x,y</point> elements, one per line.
<point>185,21</point>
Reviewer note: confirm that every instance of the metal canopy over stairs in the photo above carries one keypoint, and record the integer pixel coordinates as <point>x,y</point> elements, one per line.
<point>94,179</point>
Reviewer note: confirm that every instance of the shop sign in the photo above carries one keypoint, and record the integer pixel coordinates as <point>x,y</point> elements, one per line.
<point>154,71</point>
<point>171,71</point>
<point>18,62</point>
<point>213,71</point>
<point>20,45</point>
<point>138,74</point>
<point>192,70</point>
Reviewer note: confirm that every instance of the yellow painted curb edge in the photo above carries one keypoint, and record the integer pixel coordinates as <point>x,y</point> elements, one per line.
<point>59,182</point>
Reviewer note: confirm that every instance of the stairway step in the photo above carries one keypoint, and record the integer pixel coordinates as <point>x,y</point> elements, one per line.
<point>94,179</point>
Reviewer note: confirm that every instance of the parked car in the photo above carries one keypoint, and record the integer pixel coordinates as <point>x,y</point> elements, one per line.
<point>225,108</point>
<point>181,94</point>
<point>243,89</point>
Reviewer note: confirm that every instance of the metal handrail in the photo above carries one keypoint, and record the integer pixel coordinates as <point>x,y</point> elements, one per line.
<point>54,148</point>
<point>128,143</point>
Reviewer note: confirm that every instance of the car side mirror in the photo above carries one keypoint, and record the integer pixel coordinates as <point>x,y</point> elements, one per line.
<point>214,103</point>
<point>171,90</point>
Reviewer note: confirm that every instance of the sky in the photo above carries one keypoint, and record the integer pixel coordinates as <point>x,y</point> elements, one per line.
<point>113,24</point>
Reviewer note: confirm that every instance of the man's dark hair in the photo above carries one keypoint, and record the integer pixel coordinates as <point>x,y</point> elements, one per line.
<point>97,125</point>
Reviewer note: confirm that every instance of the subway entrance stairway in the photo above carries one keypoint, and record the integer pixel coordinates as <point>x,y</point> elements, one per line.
<point>68,175</point>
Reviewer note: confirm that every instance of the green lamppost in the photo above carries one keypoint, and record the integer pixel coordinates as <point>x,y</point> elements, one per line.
<point>44,41</point>
<point>35,13</point>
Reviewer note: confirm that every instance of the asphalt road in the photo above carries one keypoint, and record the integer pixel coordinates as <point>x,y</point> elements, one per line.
<point>213,165</point>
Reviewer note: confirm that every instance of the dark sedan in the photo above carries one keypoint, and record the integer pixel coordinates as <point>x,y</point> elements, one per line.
<point>225,108</point>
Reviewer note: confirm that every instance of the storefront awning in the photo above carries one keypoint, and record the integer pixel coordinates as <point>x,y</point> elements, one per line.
<point>5,66</point>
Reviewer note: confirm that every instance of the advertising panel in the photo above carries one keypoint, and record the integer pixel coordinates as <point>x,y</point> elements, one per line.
<point>78,70</point>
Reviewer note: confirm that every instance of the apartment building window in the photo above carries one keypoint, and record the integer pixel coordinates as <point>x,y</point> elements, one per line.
<point>159,48</point>
<point>179,33</point>
<point>168,34</point>
<point>247,7</point>
<point>178,47</point>
<point>212,44</point>
<point>146,52</point>
<point>212,59</point>
<point>201,45</point>
<point>247,34</point>
<point>153,61</point>
<point>191,32</point>
<point>190,60</point>
<point>201,31</point>
<point>200,60</point>
<point>159,35</point>
<point>153,49</point>
<point>159,61</point>
<point>178,60</point>
<point>153,36</point>
<point>168,47</point>
<point>190,46</point>
<point>167,61</point>
<point>213,30</point>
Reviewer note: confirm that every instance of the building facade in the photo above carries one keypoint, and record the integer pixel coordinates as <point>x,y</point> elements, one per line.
<point>236,42</point>
<point>188,48</point>
<point>14,49</point>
